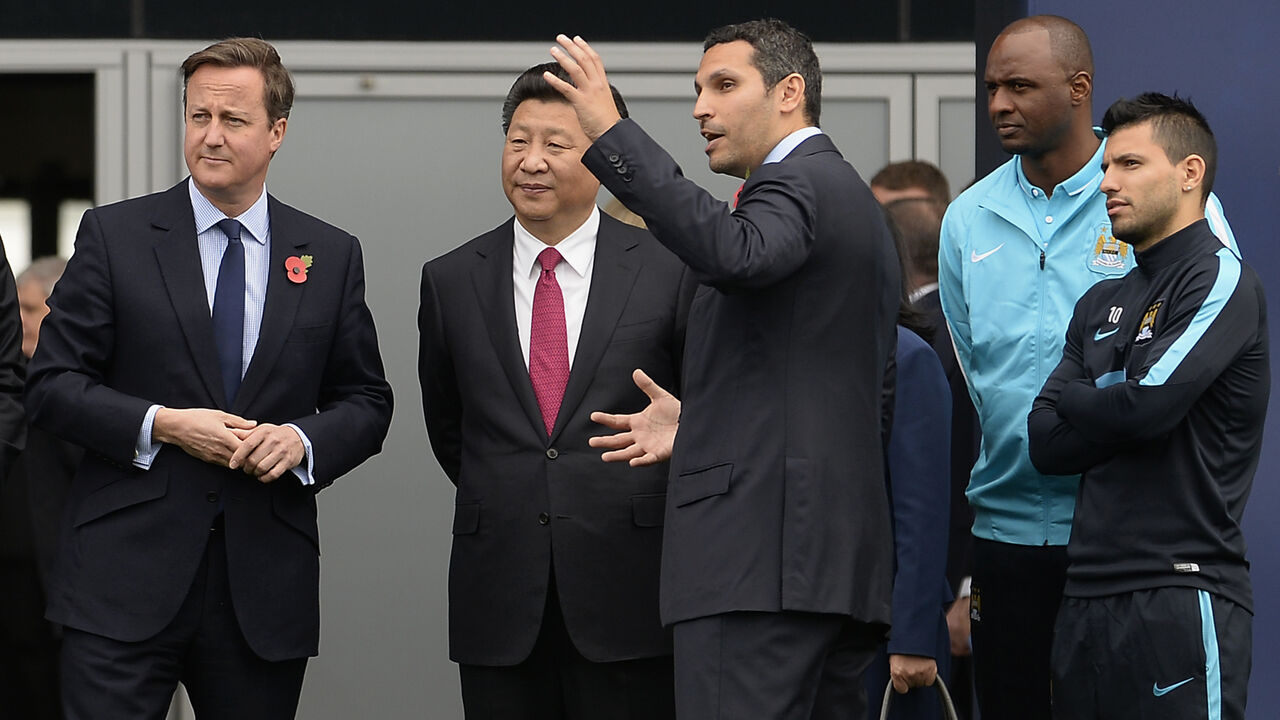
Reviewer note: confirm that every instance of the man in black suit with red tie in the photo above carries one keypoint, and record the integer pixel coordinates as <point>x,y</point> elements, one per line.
<point>553,579</point>
<point>210,348</point>
<point>777,556</point>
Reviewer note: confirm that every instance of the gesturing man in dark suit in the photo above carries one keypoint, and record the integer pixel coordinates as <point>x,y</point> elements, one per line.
<point>211,349</point>
<point>553,581</point>
<point>777,557</point>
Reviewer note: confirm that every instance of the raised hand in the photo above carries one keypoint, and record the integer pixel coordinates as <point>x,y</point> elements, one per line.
<point>643,438</point>
<point>589,94</point>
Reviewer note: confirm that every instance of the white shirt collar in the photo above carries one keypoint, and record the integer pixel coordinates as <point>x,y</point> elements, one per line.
<point>207,214</point>
<point>578,249</point>
<point>789,143</point>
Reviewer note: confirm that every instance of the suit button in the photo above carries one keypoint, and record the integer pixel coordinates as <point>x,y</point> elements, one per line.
<point>544,519</point>
<point>614,158</point>
<point>553,453</point>
<point>211,497</point>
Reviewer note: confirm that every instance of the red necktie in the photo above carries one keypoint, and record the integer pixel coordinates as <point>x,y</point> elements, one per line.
<point>734,204</point>
<point>548,340</point>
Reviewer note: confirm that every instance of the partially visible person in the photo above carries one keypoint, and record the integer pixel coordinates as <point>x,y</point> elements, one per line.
<point>34,496</point>
<point>615,209</point>
<point>211,349</point>
<point>919,222</point>
<point>777,550</point>
<point>12,369</point>
<point>911,180</point>
<point>1017,250</point>
<point>919,648</point>
<point>1159,399</point>
<point>553,576</point>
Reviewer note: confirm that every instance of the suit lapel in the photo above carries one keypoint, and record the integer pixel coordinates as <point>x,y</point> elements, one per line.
<point>496,297</point>
<point>281,304</point>
<point>612,276</point>
<point>178,254</point>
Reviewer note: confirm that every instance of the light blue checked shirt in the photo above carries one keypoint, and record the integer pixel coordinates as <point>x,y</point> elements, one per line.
<point>256,239</point>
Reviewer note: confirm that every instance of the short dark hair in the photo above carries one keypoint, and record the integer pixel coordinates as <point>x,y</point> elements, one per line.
<point>1067,41</point>
<point>1176,126</point>
<point>779,50</point>
<point>914,174</point>
<point>919,223</point>
<point>247,52</point>
<point>531,85</point>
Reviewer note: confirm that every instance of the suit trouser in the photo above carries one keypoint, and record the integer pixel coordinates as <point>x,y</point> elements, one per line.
<point>773,666</point>
<point>1015,596</point>
<point>203,648</point>
<point>557,683</point>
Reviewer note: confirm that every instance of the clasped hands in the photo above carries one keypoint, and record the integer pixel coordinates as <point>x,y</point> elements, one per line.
<point>264,450</point>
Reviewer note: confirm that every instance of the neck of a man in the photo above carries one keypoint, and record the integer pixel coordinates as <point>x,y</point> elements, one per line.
<point>1047,170</point>
<point>232,204</point>
<point>557,227</point>
<point>1187,215</point>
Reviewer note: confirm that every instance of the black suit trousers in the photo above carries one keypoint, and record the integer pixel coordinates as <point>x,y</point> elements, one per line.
<point>773,666</point>
<point>203,648</point>
<point>557,683</point>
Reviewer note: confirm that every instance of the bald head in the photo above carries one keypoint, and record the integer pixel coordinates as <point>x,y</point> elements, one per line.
<point>1067,41</point>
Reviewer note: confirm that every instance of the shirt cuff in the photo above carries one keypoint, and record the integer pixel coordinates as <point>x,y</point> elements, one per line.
<point>966,588</point>
<point>304,469</point>
<point>145,451</point>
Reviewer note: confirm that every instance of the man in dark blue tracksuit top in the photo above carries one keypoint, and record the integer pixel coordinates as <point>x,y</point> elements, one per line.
<point>1159,400</point>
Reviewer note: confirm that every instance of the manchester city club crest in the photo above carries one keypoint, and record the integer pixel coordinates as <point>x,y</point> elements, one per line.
<point>1108,252</point>
<point>1146,329</point>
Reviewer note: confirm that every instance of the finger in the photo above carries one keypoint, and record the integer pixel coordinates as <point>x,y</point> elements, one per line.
<point>900,685</point>
<point>593,65</point>
<point>564,88</point>
<point>643,460</point>
<point>611,442</point>
<point>246,447</point>
<point>235,421</point>
<point>648,386</point>
<point>241,433</point>
<point>274,472</point>
<point>614,422</point>
<point>627,454</point>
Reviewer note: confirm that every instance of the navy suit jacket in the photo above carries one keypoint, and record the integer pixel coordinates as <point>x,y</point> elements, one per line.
<point>777,498</point>
<point>919,475</point>
<point>526,502</point>
<point>129,326</point>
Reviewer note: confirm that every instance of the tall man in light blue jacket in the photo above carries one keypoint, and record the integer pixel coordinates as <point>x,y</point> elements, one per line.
<point>1017,250</point>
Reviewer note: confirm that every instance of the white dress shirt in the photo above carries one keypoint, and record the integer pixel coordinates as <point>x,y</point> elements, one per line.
<point>573,275</point>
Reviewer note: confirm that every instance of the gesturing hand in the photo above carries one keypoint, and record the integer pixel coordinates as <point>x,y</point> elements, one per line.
<point>589,94</point>
<point>646,437</point>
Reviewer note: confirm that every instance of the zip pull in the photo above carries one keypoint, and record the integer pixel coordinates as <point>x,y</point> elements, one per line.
<point>1041,259</point>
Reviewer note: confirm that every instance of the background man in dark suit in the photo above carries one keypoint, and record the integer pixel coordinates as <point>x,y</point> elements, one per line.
<point>777,556</point>
<point>31,505</point>
<point>217,383</point>
<point>553,582</point>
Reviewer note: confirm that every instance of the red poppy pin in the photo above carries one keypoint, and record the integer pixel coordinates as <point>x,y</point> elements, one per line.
<point>297,267</point>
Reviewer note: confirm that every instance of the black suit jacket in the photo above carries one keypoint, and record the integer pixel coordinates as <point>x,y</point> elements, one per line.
<point>129,326</point>
<point>527,503</point>
<point>777,497</point>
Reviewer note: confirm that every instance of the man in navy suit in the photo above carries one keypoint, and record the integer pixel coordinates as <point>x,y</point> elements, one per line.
<point>211,349</point>
<point>777,557</point>
<point>553,580</point>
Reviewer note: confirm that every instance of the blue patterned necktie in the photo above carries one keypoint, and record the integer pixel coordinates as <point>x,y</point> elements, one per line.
<point>228,309</point>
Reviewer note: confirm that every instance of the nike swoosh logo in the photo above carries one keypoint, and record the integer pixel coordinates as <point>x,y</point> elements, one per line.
<point>975,257</point>
<point>1098,334</point>
<point>1158,691</point>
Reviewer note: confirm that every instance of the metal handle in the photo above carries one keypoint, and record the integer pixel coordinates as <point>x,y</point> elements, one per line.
<point>948,707</point>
